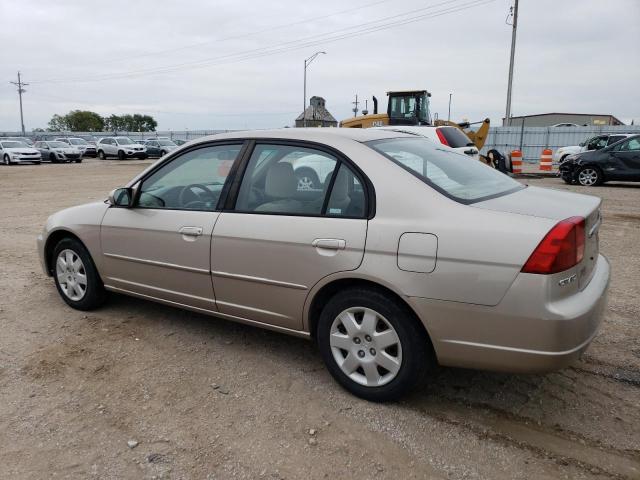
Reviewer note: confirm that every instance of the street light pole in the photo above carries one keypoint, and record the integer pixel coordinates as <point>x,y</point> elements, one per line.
<point>307,62</point>
<point>21,90</point>
<point>449,115</point>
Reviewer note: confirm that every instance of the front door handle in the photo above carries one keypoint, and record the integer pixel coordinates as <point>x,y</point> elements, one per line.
<point>191,231</point>
<point>329,243</point>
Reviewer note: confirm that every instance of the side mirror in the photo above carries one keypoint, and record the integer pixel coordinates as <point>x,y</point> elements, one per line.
<point>121,197</point>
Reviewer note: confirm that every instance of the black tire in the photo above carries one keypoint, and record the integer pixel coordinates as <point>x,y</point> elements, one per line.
<point>162,153</point>
<point>53,158</point>
<point>95,294</point>
<point>101,155</point>
<point>595,176</point>
<point>417,352</point>
<point>6,160</point>
<point>121,155</point>
<point>79,161</point>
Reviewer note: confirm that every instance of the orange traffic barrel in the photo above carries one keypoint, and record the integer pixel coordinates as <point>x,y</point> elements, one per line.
<point>516,161</point>
<point>546,160</point>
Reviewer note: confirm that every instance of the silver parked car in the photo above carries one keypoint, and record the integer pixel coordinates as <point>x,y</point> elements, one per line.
<point>407,254</point>
<point>57,152</point>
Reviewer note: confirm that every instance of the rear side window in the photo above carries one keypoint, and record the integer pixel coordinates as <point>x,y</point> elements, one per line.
<point>347,195</point>
<point>454,137</point>
<point>453,174</point>
<point>615,138</point>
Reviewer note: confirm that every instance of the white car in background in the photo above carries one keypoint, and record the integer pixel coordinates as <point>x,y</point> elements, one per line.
<point>121,147</point>
<point>593,143</point>
<point>87,149</point>
<point>13,151</point>
<point>451,137</point>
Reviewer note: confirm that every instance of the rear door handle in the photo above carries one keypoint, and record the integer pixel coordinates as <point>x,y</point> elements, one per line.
<point>329,243</point>
<point>191,231</point>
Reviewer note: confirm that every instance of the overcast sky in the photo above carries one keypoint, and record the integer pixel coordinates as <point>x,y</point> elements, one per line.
<point>218,68</point>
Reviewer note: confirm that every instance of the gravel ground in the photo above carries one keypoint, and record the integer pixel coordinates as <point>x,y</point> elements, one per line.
<point>140,390</point>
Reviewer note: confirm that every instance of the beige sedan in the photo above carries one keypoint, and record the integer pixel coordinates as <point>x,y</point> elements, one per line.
<point>399,254</point>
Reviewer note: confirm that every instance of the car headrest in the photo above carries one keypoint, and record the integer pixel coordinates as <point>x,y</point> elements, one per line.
<point>281,181</point>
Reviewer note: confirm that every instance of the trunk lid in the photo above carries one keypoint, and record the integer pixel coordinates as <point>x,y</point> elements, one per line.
<point>557,205</point>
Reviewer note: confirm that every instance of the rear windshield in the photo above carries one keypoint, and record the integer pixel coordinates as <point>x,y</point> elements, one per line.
<point>453,174</point>
<point>455,138</point>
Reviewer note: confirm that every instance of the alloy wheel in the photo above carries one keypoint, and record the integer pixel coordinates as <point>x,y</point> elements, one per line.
<point>588,177</point>
<point>365,346</point>
<point>71,275</point>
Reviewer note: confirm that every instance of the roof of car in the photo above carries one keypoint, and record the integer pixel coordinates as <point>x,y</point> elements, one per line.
<point>312,134</point>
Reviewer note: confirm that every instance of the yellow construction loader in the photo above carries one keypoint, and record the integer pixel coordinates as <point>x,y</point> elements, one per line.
<point>411,107</point>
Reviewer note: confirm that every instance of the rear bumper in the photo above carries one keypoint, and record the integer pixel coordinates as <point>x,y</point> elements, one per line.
<point>522,334</point>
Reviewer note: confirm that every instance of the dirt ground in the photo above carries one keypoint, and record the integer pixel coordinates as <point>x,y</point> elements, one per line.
<point>210,399</point>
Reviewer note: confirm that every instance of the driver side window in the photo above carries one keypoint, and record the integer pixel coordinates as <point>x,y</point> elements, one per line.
<point>192,181</point>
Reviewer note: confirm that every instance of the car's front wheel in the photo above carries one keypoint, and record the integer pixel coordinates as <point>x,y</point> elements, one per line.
<point>372,345</point>
<point>121,155</point>
<point>101,155</point>
<point>76,276</point>
<point>589,176</point>
<point>6,160</point>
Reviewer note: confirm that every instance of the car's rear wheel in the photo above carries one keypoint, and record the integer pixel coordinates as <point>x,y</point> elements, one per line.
<point>372,345</point>
<point>589,176</point>
<point>101,155</point>
<point>76,277</point>
<point>121,155</point>
<point>163,153</point>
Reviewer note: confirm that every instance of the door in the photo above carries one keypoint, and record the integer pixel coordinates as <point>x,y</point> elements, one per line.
<point>279,235</point>
<point>626,157</point>
<point>161,246</point>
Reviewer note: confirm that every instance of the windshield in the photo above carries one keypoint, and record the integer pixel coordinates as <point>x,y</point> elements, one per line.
<point>167,143</point>
<point>58,145</point>
<point>124,141</point>
<point>77,141</point>
<point>453,174</point>
<point>13,144</point>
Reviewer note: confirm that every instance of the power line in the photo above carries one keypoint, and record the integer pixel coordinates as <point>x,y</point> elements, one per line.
<point>248,34</point>
<point>329,37</point>
<point>21,90</point>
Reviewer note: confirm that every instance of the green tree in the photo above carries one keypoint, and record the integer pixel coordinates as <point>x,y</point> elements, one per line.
<point>76,121</point>
<point>130,123</point>
<point>58,123</point>
<point>84,121</point>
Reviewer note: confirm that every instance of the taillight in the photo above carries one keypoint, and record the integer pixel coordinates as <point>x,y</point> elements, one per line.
<point>443,139</point>
<point>561,249</point>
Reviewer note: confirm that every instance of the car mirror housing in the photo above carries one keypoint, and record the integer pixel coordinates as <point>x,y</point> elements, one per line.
<point>121,197</point>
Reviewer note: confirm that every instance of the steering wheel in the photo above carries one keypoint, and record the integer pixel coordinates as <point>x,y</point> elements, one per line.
<point>196,198</point>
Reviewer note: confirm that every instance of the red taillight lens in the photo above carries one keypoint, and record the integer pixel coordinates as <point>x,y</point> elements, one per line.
<point>443,139</point>
<point>561,249</point>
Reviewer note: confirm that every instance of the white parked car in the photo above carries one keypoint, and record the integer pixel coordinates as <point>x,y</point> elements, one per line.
<point>593,143</point>
<point>451,137</point>
<point>87,149</point>
<point>121,147</point>
<point>57,152</point>
<point>12,151</point>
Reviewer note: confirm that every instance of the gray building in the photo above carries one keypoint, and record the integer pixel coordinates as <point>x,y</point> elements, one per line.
<point>316,115</point>
<point>551,119</point>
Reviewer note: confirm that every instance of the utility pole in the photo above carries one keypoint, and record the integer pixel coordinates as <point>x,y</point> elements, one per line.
<point>355,106</point>
<point>21,90</point>
<point>449,115</point>
<point>514,12</point>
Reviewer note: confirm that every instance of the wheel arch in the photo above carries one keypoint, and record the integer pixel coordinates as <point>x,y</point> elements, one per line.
<point>52,240</point>
<point>323,291</point>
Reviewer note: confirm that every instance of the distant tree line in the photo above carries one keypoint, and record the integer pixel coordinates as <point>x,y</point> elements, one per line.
<point>85,121</point>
